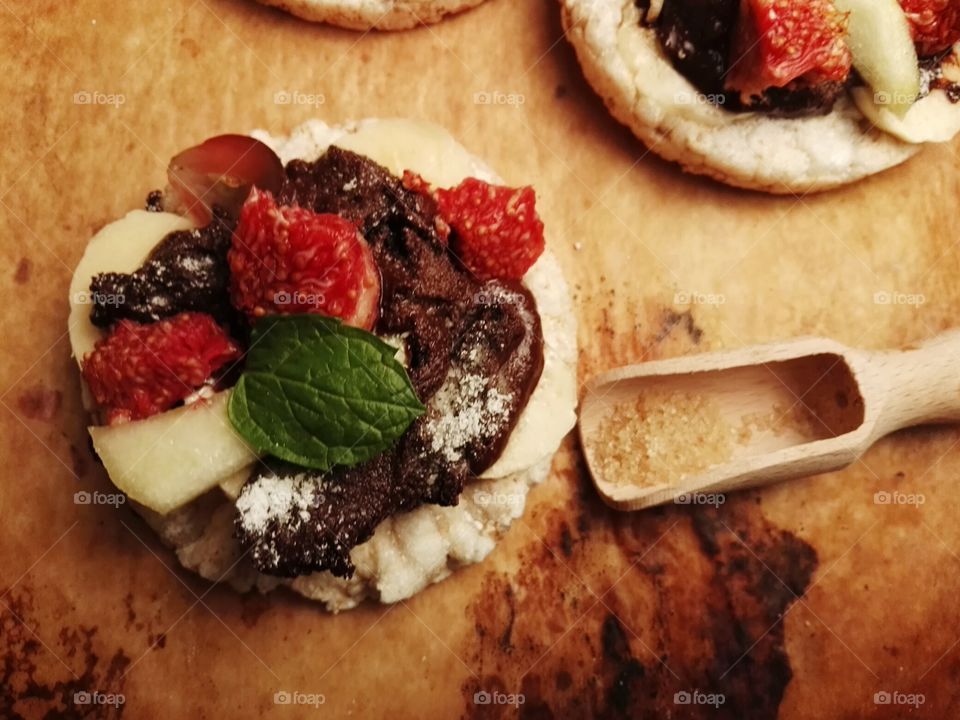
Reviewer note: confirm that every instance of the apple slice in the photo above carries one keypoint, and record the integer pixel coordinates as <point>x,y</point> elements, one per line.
<point>932,119</point>
<point>233,484</point>
<point>879,38</point>
<point>167,460</point>
<point>220,171</point>
<point>121,247</point>
<point>401,145</point>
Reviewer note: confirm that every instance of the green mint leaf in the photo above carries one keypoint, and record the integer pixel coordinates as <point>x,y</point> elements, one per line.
<point>319,393</point>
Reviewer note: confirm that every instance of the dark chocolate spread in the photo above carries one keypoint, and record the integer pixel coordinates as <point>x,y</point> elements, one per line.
<point>697,36</point>
<point>187,271</point>
<point>474,353</point>
<point>424,293</point>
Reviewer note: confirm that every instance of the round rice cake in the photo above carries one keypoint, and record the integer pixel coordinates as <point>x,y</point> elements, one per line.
<point>412,550</point>
<point>623,61</point>
<point>373,14</point>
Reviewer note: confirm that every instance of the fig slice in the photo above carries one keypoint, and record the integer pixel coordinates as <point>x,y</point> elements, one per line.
<point>220,171</point>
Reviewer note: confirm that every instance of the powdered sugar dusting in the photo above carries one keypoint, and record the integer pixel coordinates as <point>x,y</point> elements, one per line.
<point>467,409</point>
<point>272,499</point>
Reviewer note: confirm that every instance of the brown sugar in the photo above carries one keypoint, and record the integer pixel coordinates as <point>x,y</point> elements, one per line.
<point>664,436</point>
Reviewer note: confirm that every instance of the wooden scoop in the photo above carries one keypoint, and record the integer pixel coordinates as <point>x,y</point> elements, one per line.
<point>848,399</point>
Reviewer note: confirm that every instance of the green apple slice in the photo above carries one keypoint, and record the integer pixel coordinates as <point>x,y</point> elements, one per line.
<point>883,51</point>
<point>167,460</point>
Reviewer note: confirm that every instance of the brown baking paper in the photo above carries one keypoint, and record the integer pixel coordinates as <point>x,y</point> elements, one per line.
<point>800,601</point>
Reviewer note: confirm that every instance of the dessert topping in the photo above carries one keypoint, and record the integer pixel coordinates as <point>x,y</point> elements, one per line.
<point>497,232</point>
<point>140,370</point>
<point>935,24</point>
<point>318,393</point>
<point>220,173</point>
<point>779,41</point>
<point>287,260</point>
<point>186,272</point>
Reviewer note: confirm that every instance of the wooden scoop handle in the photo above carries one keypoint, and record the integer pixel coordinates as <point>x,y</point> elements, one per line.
<point>916,386</point>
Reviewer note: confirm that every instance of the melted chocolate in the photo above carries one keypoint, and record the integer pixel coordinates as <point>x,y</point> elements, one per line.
<point>187,271</point>
<point>697,36</point>
<point>424,294</point>
<point>475,353</point>
<point>346,184</point>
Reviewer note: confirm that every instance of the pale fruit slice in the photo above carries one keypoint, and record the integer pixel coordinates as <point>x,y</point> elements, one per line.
<point>232,485</point>
<point>169,459</point>
<point>879,38</point>
<point>401,145</point>
<point>121,246</point>
<point>933,119</point>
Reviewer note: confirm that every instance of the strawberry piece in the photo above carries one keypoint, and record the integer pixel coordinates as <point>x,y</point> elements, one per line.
<point>139,370</point>
<point>498,233</point>
<point>780,41</point>
<point>286,260</point>
<point>935,24</point>
<point>220,171</point>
